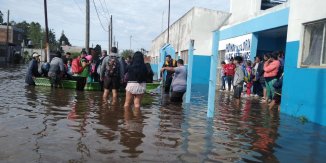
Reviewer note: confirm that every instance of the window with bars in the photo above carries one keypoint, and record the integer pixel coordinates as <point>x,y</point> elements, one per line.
<point>314,44</point>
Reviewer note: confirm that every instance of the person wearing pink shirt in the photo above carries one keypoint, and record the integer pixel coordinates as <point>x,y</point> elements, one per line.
<point>271,67</point>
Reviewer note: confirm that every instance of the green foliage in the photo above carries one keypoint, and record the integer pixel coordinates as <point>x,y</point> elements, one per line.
<point>126,53</point>
<point>63,38</point>
<point>36,34</point>
<point>24,26</point>
<point>54,45</point>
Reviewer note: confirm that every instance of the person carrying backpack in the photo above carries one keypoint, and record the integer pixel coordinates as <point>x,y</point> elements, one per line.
<point>111,75</point>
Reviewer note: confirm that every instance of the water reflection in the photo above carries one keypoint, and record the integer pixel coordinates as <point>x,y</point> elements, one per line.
<point>132,132</point>
<point>58,125</point>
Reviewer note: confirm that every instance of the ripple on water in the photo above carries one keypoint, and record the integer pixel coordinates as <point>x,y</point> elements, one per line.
<point>59,125</point>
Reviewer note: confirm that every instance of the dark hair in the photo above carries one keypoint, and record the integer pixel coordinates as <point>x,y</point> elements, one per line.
<point>83,52</point>
<point>114,50</point>
<point>137,70</point>
<point>267,55</point>
<point>274,55</point>
<point>58,54</point>
<point>223,63</point>
<point>169,56</point>
<point>231,59</point>
<point>180,61</point>
<point>239,59</point>
<point>68,53</point>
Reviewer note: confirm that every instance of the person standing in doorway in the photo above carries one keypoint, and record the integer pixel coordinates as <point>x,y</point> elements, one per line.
<point>238,79</point>
<point>169,62</point>
<point>229,73</point>
<point>271,68</point>
<point>223,77</point>
<point>257,88</point>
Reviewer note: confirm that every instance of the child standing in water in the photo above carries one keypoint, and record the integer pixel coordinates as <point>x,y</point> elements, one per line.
<point>248,77</point>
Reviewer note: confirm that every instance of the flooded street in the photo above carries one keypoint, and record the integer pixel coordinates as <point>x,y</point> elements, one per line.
<point>40,124</point>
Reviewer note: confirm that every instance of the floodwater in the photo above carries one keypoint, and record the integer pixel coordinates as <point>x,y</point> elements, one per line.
<point>40,124</point>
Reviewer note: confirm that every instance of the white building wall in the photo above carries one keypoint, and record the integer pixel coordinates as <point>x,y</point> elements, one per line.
<point>203,25</point>
<point>243,9</point>
<point>196,24</point>
<point>303,11</point>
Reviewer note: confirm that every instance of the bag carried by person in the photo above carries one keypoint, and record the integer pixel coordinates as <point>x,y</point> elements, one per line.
<point>76,66</point>
<point>112,68</point>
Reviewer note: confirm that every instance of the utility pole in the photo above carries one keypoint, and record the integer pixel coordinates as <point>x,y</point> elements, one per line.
<point>130,41</point>
<point>111,31</point>
<point>7,39</point>
<point>87,27</point>
<point>46,33</point>
<point>118,46</point>
<point>169,24</point>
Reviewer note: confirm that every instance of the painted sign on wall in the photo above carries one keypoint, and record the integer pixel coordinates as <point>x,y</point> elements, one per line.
<point>238,46</point>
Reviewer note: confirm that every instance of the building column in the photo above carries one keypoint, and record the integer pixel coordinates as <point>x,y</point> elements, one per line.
<point>212,77</point>
<point>189,70</point>
<point>254,46</point>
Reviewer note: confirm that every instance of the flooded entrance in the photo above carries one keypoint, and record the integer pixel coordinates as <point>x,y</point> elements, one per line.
<point>40,124</point>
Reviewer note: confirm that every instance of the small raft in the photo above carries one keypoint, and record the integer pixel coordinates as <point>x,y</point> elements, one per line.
<point>93,86</point>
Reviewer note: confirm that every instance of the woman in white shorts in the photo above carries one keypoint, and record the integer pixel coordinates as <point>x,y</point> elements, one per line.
<point>136,86</point>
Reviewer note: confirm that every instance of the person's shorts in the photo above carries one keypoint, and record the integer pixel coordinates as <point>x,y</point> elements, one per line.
<point>176,96</point>
<point>111,83</point>
<point>237,92</point>
<point>136,88</point>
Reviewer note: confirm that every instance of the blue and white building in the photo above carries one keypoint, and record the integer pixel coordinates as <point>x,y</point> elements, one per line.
<point>297,27</point>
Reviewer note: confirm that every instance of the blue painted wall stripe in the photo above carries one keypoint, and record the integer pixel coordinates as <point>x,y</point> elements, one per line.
<point>268,21</point>
<point>304,89</point>
<point>212,76</point>
<point>189,72</point>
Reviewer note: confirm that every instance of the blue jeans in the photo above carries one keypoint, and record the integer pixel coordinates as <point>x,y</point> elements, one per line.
<point>229,79</point>
<point>223,79</point>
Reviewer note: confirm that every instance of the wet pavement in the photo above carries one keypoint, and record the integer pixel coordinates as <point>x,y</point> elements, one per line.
<point>40,124</point>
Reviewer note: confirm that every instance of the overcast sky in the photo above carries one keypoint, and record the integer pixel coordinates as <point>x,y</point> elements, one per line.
<point>140,18</point>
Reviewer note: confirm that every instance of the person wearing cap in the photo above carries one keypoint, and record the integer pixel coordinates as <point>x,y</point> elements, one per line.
<point>32,70</point>
<point>56,70</point>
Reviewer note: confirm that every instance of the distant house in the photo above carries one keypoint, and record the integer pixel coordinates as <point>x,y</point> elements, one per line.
<point>14,39</point>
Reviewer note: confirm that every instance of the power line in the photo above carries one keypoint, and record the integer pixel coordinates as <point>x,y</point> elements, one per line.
<point>106,6</point>
<point>104,11</point>
<point>78,6</point>
<point>99,17</point>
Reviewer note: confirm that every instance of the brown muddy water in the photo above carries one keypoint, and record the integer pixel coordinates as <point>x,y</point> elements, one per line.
<point>40,124</point>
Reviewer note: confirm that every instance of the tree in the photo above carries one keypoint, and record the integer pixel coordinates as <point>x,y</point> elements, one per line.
<point>64,39</point>
<point>127,52</point>
<point>24,26</point>
<point>35,34</point>
<point>1,17</point>
<point>53,44</point>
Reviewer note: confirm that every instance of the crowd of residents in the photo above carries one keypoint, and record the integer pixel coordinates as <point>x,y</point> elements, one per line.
<point>263,78</point>
<point>114,74</point>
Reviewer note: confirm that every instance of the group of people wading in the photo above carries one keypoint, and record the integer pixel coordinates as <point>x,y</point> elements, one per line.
<point>262,78</point>
<point>112,72</point>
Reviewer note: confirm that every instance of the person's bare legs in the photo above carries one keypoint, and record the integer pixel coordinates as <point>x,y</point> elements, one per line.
<point>106,94</point>
<point>128,99</point>
<point>271,105</point>
<point>137,101</point>
<point>114,96</point>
